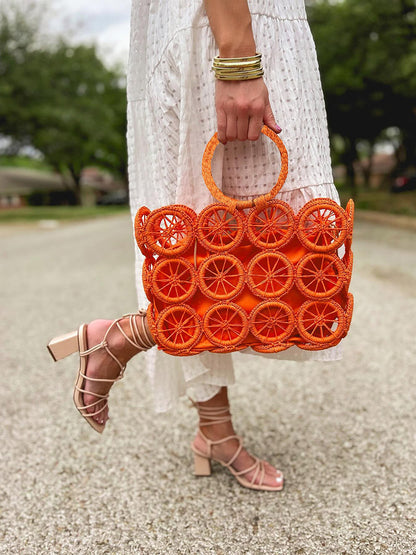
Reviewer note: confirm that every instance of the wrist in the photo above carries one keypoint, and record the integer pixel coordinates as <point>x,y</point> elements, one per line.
<point>237,51</point>
<point>239,44</point>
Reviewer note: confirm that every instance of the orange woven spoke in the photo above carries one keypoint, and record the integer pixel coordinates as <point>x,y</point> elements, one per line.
<point>178,327</point>
<point>320,276</point>
<point>316,320</point>
<point>225,324</point>
<point>220,228</point>
<point>271,227</point>
<point>221,276</point>
<point>174,280</point>
<point>323,225</point>
<point>272,321</point>
<point>169,231</point>
<point>270,274</point>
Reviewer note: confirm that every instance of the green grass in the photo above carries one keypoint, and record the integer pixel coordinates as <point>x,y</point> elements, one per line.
<point>383,201</point>
<point>65,213</point>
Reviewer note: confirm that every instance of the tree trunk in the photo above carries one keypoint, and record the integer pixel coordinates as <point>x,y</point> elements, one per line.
<point>368,169</point>
<point>76,176</point>
<point>350,155</point>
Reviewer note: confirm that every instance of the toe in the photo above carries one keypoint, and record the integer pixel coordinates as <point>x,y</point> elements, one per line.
<point>270,469</point>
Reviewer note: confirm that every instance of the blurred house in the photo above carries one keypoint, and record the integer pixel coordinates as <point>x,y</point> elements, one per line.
<point>379,168</point>
<point>22,186</point>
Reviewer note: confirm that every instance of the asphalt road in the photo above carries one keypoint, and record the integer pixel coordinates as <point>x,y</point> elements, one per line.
<point>343,433</point>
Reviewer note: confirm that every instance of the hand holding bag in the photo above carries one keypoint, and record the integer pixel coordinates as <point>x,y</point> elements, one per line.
<point>247,273</point>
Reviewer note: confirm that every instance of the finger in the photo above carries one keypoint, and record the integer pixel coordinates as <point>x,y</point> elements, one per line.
<point>242,128</point>
<point>254,128</point>
<point>269,120</point>
<point>231,133</point>
<point>222,126</point>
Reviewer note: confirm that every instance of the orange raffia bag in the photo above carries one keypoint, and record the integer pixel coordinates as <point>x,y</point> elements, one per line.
<point>247,273</point>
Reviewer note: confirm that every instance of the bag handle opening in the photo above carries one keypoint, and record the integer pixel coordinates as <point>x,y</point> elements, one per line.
<point>241,204</point>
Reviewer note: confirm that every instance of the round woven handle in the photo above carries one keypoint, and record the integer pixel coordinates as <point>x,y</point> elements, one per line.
<point>233,203</point>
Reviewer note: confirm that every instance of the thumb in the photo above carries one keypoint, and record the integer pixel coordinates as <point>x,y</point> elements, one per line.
<point>269,120</point>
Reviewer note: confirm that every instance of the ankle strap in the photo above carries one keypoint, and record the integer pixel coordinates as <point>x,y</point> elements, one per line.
<point>141,339</point>
<point>139,332</point>
<point>215,415</point>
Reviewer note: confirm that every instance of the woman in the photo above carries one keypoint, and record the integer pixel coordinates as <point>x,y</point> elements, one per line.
<point>175,105</point>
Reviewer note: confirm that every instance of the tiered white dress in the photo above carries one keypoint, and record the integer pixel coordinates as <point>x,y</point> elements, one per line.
<point>171,116</point>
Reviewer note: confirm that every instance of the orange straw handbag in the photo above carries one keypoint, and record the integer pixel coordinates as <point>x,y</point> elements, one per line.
<point>247,273</point>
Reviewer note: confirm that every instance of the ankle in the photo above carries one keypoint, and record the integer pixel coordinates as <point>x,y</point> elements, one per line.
<point>134,337</point>
<point>217,431</point>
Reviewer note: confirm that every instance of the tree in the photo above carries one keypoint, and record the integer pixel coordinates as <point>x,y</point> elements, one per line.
<point>367,56</point>
<point>59,99</point>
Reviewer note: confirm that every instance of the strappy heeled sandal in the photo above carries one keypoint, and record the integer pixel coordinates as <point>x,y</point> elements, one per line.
<point>64,345</point>
<point>202,461</point>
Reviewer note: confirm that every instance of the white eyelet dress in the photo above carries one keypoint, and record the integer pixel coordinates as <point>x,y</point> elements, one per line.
<point>171,117</point>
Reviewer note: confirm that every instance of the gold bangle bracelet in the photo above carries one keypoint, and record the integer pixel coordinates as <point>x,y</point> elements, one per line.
<point>237,64</point>
<point>242,59</point>
<point>236,69</point>
<point>242,77</point>
<point>240,74</point>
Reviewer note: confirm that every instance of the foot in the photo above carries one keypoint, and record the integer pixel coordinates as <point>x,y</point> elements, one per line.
<point>225,451</point>
<point>100,365</point>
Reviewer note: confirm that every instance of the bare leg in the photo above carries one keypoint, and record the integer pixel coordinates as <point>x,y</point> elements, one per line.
<point>226,450</point>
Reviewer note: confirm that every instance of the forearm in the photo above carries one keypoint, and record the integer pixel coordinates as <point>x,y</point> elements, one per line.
<point>230,21</point>
<point>242,105</point>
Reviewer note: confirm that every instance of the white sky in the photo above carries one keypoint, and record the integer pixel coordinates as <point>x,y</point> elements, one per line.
<point>105,22</point>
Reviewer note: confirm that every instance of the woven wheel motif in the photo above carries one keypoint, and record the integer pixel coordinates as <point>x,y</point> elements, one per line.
<point>169,231</point>
<point>272,321</point>
<point>226,324</point>
<point>320,276</point>
<point>270,275</point>
<point>220,228</point>
<point>174,280</point>
<point>221,277</point>
<point>322,225</point>
<point>178,327</point>
<point>271,227</point>
<point>321,321</point>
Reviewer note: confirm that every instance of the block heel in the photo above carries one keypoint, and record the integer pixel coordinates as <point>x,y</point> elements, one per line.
<point>63,345</point>
<point>202,465</point>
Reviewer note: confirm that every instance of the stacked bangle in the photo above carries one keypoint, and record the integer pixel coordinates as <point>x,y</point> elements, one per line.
<point>237,69</point>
